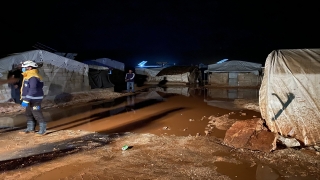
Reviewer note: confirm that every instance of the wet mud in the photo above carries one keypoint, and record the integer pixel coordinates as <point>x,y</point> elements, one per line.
<point>167,130</point>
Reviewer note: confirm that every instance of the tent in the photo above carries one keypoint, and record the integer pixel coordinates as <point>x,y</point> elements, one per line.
<point>289,95</point>
<point>180,74</point>
<point>98,75</point>
<point>234,73</point>
<point>60,74</point>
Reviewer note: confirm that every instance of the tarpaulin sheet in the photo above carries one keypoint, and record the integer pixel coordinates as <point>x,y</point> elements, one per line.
<point>289,96</point>
<point>235,66</point>
<point>43,56</point>
<point>111,64</point>
<point>99,79</point>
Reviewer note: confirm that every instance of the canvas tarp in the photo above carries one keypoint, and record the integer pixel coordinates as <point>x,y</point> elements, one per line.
<point>150,72</point>
<point>289,96</point>
<point>44,57</point>
<point>99,79</point>
<point>106,62</point>
<point>235,66</point>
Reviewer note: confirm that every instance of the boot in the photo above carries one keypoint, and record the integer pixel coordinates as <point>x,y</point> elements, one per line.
<point>43,128</point>
<point>30,127</point>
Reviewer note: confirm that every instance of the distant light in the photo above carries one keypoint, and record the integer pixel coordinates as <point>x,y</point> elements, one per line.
<point>141,64</point>
<point>222,61</point>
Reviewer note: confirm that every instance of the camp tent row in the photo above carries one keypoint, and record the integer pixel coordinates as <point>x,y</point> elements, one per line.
<point>60,74</point>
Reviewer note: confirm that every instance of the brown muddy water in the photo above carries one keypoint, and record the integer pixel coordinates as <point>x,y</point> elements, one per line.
<point>175,115</point>
<point>177,111</point>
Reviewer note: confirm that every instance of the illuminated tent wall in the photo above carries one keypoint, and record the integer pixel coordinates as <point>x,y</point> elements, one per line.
<point>172,74</point>
<point>60,74</point>
<point>289,96</point>
<point>234,73</point>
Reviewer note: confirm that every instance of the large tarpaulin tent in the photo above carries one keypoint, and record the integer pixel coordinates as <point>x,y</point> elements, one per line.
<point>234,73</point>
<point>41,56</point>
<point>289,96</point>
<point>60,74</point>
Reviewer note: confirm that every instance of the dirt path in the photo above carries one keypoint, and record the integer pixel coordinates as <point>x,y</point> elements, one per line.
<point>84,155</point>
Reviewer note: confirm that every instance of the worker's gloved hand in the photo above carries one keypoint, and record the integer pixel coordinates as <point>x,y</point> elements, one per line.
<point>24,104</point>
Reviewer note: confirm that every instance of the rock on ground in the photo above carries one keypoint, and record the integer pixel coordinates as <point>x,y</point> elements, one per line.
<point>250,134</point>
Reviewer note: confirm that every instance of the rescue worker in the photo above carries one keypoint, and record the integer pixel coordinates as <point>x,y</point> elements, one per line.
<point>31,96</point>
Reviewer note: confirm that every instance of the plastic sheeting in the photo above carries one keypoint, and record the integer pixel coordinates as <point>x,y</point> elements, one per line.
<point>152,75</point>
<point>99,79</point>
<point>235,66</point>
<point>151,72</point>
<point>112,64</point>
<point>289,96</point>
<point>43,56</point>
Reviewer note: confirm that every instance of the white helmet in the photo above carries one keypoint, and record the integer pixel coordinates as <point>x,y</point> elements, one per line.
<point>29,63</point>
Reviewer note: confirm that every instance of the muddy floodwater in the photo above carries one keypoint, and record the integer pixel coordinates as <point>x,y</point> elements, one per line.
<point>168,135</point>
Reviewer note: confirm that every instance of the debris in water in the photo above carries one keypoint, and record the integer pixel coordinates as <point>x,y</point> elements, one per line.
<point>166,128</point>
<point>243,114</point>
<point>207,132</point>
<point>125,147</point>
<point>185,129</point>
<point>198,134</point>
<point>203,118</point>
<point>191,119</point>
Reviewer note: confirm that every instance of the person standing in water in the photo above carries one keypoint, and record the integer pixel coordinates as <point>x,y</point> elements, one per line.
<point>31,96</point>
<point>130,81</point>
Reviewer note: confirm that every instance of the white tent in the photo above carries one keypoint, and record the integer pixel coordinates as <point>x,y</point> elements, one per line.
<point>234,73</point>
<point>60,74</point>
<point>235,66</point>
<point>289,96</point>
<point>41,56</point>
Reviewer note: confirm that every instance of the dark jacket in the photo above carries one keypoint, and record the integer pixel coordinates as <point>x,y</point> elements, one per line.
<point>130,77</point>
<point>32,85</point>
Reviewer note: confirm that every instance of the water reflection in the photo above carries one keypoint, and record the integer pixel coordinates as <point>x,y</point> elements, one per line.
<point>173,90</point>
<point>225,98</point>
<point>231,94</point>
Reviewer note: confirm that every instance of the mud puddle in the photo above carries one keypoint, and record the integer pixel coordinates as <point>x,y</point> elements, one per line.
<point>178,112</point>
<point>158,111</point>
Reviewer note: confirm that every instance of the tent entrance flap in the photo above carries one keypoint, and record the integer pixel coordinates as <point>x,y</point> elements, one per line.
<point>99,79</point>
<point>233,79</point>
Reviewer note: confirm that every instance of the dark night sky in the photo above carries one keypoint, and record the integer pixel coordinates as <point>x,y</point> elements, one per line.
<point>175,31</point>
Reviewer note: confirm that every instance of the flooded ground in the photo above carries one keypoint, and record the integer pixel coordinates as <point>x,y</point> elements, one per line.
<point>166,130</point>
